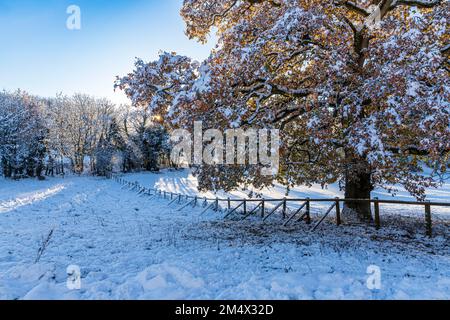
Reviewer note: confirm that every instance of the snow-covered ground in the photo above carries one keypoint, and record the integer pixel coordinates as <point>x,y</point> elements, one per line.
<point>136,247</point>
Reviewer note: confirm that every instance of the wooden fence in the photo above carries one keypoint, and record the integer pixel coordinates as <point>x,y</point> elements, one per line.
<point>252,207</point>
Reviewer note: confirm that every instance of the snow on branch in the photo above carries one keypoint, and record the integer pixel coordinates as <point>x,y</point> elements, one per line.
<point>446,48</point>
<point>418,3</point>
<point>353,7</point>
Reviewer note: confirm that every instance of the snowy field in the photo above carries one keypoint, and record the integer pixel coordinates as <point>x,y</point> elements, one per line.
<point>133,247</point>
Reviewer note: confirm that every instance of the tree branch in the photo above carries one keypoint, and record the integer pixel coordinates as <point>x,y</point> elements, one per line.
<point>353,7</point>
<point>417,3</point>
<point>446,49</point>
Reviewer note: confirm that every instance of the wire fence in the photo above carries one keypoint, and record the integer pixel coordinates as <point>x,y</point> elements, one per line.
<point>291,209</point>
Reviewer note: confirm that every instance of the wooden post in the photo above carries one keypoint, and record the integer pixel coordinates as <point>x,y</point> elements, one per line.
<point>217,204</point>
<point>284,208</point>
<point>428,220</point>
<point>195,201</point>
<point>245,206</point>
<point>308,211</point>
<point>338,212</point>
<point>377,214</point>
<point>263,208</point>
<point>229,203</point>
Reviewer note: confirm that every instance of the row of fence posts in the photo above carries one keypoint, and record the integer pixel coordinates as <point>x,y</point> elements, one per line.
<point>428,219</point>
<point>262,206</point>
<point>174,197</point>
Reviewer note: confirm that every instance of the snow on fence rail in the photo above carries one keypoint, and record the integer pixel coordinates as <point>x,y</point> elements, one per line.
<point>281,204</point>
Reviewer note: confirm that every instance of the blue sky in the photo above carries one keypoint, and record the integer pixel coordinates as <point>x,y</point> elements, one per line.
<point>39,54</point>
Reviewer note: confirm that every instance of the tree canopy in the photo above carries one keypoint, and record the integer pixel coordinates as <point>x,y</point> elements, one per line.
<point>359,89</point>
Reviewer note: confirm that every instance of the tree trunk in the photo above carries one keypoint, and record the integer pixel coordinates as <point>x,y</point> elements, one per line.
<point>62,166</point>
<point>358,185</point>
<point>7,170</point>
<point>39,168</point>
<point>78,164</point>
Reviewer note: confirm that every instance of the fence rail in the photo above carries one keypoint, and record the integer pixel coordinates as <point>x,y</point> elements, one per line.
<point>214,204</point>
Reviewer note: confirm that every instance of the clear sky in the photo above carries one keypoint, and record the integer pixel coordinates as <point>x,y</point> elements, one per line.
<point>40,55</point>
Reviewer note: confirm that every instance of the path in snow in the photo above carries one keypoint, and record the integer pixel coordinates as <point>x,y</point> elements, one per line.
<point>131,247</point>
<point>6,206</point>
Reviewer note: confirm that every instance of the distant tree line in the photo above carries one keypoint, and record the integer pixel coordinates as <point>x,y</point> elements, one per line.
<point>80,133</point>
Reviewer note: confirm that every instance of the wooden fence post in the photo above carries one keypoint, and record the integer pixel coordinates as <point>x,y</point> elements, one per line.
<point>245,206</point>
<point>229,203</point>
<point>217,204</point>
<point>428,220</point>
<point>308,211</point>
<point>377,214</point>
<point>284,208</point>
<point>263,208</point>
<point>338,212</point>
